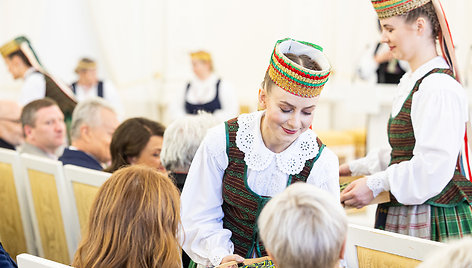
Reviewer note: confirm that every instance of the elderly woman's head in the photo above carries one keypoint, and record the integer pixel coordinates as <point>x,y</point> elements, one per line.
<point>182,139</point>
<point>133,222</point>
<point>137,141</point>
<point>303,226</point>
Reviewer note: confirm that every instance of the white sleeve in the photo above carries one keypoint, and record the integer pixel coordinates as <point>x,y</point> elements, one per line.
<point>205,240</point>
<point>34,88</point>
<point>325,173</point>
<point>438,113</point>
<point>111,95</point>
<point>229,102</point>
<point>375,161</point>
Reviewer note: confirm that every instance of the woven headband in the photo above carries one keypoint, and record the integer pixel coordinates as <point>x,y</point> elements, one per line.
<point>293,77</point>
<point>390,8</point>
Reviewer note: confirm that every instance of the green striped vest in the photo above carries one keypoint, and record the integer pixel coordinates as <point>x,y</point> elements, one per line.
<point>241,206</point>
<point>402,140</point>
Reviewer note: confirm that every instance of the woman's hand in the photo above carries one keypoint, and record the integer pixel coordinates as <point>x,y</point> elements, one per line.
<point>344,170</point>
<point>234,257</point>
<point>357,194</point>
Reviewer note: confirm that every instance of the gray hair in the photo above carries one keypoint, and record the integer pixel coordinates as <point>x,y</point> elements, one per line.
<point>182,139</point>
<point>456,254</point>
<point>87,112</point>
<point>303,226</point>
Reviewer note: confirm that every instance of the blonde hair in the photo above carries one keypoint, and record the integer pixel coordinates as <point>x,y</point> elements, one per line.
<point>303,226</point>
<point>456,254</point>
<point>133,222</point>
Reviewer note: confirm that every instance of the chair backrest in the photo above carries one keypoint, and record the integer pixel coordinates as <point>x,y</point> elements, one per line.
<point>30,261</point>
<point>369,247</point>
<point>84,184</point>
<point>56,228</point>
<point>16,231</point>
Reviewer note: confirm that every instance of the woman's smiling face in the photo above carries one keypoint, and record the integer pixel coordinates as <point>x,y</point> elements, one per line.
<point>286,117</point>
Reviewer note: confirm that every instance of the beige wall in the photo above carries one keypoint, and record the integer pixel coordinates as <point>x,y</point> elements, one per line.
<point>142,46</point>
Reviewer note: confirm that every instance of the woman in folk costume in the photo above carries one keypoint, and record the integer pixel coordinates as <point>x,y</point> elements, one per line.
<point>429,196</point>
<point>243,162</point>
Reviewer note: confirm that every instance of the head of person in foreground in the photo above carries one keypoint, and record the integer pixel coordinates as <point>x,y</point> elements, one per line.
<point>133,222</point>
<point>303,227</point>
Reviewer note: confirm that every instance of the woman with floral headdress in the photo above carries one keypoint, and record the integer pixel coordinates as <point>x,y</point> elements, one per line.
<point>243,162</point>
<point>430,198</point>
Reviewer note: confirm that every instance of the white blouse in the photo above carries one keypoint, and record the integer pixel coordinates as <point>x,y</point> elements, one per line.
<point>205,239</point>
<point>439,112</point>
<point>33,88</point>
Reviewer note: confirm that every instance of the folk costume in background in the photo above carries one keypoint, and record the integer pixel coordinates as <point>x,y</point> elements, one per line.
<point>430,198</point>
<point>99,88</point>
<point>211,94</point>
<point>234,174</point>
<point>37,82</point>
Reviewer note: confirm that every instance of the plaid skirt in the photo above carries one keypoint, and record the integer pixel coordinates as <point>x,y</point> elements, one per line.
<point>427,221</point>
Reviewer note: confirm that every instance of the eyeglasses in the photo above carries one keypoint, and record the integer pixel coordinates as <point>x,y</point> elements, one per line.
<point>15,121</point>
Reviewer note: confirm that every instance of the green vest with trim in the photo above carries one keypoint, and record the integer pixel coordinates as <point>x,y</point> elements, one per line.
<point>242,206</point>
<point>401,137</point>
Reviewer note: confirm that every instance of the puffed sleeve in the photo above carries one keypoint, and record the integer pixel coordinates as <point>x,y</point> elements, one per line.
<point>325,173</point>
<point>438,113</point>
<point>205,240</point>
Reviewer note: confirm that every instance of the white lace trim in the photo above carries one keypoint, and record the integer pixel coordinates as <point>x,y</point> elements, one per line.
<point>376,185</point>
<point>258,157</point>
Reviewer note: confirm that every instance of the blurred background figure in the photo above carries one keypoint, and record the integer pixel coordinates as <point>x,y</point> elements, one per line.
<point>206,92</point>
<point>89,85</point>
<point>23,63</point>
<point>11,134</point>
<point>378,64</point>
<point>44,129</point>
<point>137,141</point>
<point>93,124</point>
<point>181,141</point>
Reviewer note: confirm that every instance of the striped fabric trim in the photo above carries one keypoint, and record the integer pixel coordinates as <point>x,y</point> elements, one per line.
<point>390,8</point>
<point>293,77</point>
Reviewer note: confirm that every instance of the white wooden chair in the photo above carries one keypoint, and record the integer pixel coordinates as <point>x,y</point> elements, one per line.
<point>56,228</point>
<point>369,247</point>
<point>16,230</point>
<point>84,184</point>
<point>31,261</point>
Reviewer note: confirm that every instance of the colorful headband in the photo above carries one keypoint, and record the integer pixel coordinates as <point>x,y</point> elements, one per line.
<point>390,8</point>
<point>293,77</point>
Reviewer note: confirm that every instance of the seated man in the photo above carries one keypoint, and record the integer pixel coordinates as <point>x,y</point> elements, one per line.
<point>303,227</point>
<point>44,128</point>
<point>93,124</point>
<point>10,125</point>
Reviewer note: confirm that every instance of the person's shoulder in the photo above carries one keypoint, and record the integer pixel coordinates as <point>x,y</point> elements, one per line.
<point>443,84</point>
<point>215,139</point>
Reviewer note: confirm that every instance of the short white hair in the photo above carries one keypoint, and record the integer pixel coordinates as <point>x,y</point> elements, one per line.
<point>456,254</point>
<point>182,139</point>
<point>88,112</point>
<point>303,226</point>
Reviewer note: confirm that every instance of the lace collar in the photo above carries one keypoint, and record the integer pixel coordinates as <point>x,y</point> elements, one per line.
<point>258,157</point>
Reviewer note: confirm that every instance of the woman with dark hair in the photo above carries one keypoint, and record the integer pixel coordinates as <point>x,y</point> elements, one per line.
<point>133,222</point>
<point>136,141</point>
<point>430,198</point>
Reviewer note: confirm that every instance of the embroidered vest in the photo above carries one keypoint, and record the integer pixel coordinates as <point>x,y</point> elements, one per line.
<point>53,91</point>
<point>242,206</point>
<point>402,140</point>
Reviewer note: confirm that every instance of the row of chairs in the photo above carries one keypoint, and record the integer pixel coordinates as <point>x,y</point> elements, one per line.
<point>44,205</point>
